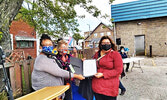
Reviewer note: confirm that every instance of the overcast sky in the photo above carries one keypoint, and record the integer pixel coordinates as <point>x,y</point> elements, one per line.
<point>104,6</point>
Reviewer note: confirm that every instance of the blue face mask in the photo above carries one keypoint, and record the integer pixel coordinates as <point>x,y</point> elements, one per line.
<point>47,48</point>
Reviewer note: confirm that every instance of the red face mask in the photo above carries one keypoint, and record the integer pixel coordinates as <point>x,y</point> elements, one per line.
<point>64,51</point>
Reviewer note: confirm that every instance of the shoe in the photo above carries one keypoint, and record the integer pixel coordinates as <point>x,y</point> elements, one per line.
<point>122,76</point>
<point>122,92</point>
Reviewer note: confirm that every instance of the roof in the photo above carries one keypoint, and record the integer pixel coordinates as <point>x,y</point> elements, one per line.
<point>141,9</point>
<point>96,28</point>
<point>24,38</point>
<point>96,40</point>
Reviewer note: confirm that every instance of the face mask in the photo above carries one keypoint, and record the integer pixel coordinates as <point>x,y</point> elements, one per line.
<point>122,51</point>
<point>106,47</point>
<point>47,48</point>
<point>64,51</point>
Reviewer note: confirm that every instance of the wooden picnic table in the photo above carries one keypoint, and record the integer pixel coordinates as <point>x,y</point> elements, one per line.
<point>47,93</point>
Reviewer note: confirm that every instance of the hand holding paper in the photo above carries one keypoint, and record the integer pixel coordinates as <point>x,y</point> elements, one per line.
<point>80,77</point>
<point>99,75</point>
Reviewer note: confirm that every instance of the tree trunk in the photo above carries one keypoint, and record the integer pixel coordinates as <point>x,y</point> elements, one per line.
<point>9,9</point>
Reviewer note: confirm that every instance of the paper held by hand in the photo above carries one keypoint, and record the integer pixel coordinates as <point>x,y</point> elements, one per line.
<point>89,67</point>
<point>86,68</point>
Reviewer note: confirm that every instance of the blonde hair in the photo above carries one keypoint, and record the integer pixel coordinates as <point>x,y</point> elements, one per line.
<point>60,43</point>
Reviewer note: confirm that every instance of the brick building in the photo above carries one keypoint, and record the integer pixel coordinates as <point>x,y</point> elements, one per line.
<point>142,26</point>
<point>24,38</point>
<point>94,36</point>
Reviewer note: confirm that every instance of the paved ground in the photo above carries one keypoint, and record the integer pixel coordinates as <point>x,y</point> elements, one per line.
<point>150,85</point>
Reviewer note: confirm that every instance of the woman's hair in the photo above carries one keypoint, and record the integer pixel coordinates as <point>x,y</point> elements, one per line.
<point>60,43</point>
<point>113,46</point>
<point>122,47</point>
<point>44,37</point>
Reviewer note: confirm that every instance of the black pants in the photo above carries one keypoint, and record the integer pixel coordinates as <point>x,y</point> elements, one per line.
<point>85,88</point>
<point>127,67</point>
<point>68,94</point>
<point>104,97</point>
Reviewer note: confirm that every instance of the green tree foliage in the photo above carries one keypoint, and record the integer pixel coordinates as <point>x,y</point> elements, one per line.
<point>55,17</point>
<point>77,37</point>
<point>1,34</point>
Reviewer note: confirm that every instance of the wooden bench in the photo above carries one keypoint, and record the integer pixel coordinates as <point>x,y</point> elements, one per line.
<point>47,93</point>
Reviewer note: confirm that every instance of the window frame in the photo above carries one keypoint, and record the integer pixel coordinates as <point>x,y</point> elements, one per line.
<point>30,43</point>
<point>102,34</point>
<point>95,34</point>
<point>108,33</point>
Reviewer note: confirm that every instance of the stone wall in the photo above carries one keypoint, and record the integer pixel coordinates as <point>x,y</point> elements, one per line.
<point>155,31</point>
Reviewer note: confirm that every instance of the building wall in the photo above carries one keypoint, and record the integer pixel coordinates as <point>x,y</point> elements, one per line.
<point>155,31</point>
<point>86,34</point>
<point>100,29</point>
<point>20,28</point>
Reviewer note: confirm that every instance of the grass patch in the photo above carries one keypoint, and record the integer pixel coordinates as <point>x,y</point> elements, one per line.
<point>3,96</point>
<point>23,80</point>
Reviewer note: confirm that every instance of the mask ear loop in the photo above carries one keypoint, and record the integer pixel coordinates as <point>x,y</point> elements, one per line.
<point>112,46</point>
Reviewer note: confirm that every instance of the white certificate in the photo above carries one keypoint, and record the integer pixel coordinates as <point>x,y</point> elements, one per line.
<point>89,67</point>
<point>86,68</point>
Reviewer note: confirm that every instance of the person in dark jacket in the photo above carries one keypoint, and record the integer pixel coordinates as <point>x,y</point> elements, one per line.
<point>124,55</point>
<point>64,57</point>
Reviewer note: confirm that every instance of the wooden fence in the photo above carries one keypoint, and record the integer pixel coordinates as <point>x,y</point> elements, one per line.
<point>89,53</point>
<point>86,53</point>
<point>20,76</point>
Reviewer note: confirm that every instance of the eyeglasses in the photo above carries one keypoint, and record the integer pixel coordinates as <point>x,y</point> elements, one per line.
<point>105,43</point>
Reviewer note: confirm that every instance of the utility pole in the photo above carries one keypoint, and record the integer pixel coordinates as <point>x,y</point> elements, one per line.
<point>89,28</point>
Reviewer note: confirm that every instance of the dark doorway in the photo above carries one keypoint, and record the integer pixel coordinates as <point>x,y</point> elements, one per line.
<point>140,45</point>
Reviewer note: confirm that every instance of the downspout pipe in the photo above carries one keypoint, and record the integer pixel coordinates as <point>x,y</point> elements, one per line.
<point>115,33</point>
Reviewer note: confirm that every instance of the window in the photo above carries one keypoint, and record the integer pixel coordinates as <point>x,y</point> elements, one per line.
<point>25,44</point>
<point>95,34</point>
<point>101,34</point>
<point>108,33</point>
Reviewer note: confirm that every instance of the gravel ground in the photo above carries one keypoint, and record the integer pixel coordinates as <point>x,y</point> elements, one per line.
<point>149,85</point>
